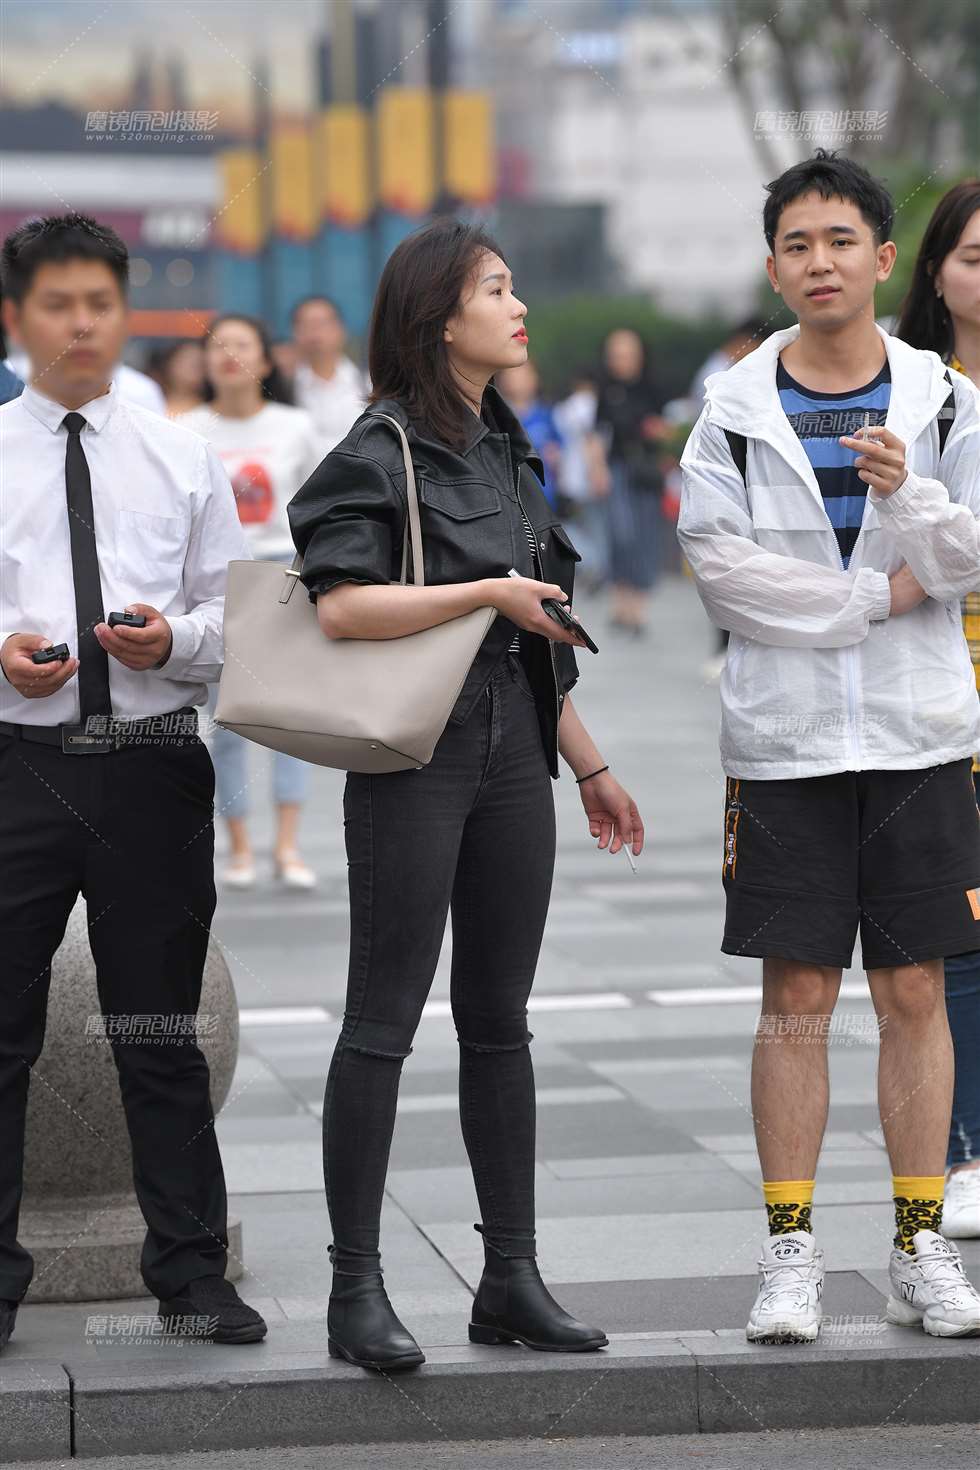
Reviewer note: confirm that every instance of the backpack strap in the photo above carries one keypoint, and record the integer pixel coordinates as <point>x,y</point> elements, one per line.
<point>738,445</point>
<point>945,418</point>
<point>946,415</point>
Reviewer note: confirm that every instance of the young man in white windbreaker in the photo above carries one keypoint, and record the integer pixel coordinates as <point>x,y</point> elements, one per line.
<point>829,516</point>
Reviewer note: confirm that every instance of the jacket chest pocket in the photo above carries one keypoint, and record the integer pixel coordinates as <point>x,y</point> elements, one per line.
<point>790,520</point>
<point>150,552</point>
<point>464,534</point>
<point>558,556</point>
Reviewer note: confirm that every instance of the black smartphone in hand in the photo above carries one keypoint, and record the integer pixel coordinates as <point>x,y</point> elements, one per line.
<point>559,613</point>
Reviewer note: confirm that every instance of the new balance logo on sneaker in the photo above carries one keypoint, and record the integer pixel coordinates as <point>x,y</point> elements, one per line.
<point>787,1308</point>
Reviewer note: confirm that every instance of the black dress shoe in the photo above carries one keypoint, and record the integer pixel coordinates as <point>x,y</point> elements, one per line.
<point>214,1298</point>
<point>8,1316</point>
<point>362,1326</point>
<point>512,1304</point>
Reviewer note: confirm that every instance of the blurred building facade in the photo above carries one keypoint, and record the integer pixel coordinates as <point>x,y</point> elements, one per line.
<point>598,138</point>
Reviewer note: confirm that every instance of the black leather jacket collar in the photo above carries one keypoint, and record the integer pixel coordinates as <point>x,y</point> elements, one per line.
<point>497,417</point>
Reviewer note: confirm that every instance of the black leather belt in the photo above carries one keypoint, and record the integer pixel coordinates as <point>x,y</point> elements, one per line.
<point>104,733</point>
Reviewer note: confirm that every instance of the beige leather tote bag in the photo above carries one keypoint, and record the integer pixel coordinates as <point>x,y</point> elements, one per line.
<point>359,704</point>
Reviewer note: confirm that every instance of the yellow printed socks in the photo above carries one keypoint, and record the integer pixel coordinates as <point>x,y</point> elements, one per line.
<point>918,1206</point>
<point>788,1205</point>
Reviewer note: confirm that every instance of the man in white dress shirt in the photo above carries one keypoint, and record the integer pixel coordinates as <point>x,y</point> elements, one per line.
<point>327,384</point>
<point>105,787</point>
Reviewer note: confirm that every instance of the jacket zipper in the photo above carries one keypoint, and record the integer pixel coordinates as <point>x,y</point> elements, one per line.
<point>551,650</point>
<point>852,708</point>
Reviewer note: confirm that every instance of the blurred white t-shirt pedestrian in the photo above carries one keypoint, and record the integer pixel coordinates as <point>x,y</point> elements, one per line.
<point>575,417</point>
<point>268,448</point>
<point>576,420</point>
<point>333,403</point>
<point>268,456</point>
<point>331,388</point>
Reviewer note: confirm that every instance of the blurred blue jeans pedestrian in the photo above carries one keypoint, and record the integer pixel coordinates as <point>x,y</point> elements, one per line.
<point>634,528</point>
<point>229,752</point>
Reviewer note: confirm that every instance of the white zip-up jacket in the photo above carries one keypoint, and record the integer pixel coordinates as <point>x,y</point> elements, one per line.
<point>819,677</point>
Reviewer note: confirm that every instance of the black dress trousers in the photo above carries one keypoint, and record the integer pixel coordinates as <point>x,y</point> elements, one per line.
<point>131,829</point>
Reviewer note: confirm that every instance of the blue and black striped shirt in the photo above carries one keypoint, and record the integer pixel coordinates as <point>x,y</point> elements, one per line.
<point>818,420</point>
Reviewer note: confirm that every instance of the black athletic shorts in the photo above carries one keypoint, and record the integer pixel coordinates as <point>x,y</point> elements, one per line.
<point>897,852</point>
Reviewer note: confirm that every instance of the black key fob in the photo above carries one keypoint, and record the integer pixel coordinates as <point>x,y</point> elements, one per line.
<point>55,652</point>
<point>126,620</point>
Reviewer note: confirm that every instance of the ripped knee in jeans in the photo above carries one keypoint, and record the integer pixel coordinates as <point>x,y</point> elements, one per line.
<point>375,1039</point>
<point>499,1038</point>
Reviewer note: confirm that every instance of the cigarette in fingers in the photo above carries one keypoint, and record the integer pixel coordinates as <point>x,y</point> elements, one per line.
<point>629,856</point>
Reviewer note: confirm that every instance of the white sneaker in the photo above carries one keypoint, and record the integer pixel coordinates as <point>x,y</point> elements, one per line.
<point>931,1290</point>
<point>238,875</point>
<point>961,1205</point>
<point>294,873</point>
<point>787,1308</point>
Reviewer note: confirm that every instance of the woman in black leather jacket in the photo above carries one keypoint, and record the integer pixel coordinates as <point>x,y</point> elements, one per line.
<point>473,831</point>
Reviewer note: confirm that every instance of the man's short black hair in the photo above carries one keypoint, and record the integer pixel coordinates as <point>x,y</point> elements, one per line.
<point>308,301</point>
<point>59,237</point>
<point>832,177</point>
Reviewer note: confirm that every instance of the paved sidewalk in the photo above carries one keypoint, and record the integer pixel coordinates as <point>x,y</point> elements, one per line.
<point>649,1206</point>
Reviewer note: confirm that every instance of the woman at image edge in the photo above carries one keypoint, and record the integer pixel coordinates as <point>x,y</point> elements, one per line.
<point>942,314</point>
<point>474,830</point>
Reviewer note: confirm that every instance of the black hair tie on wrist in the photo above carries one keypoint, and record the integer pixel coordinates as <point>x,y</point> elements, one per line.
<point>580,779</point>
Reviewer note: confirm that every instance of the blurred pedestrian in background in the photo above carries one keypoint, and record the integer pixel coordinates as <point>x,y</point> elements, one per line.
<point>630,428</point>
<point>742,340</point>
<point>11,386</point>
<point>286,359</point>
<point>268,448</point>
<point>942,313</point>
<point>584,476</point>
<point>331,387</point>
<point>178,370</point>
<point>521,386</point>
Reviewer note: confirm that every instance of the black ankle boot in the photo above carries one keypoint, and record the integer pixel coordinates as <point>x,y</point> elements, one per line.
<point>512,1304</point>
<point>362,1326</point>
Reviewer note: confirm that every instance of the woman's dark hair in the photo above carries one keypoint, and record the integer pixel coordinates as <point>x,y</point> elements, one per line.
<point>420,289</point>
<point>924,320</point>
<point>160,357</point>
<point>832,177</point>
<point>59,237</point>
<point>274,385</point>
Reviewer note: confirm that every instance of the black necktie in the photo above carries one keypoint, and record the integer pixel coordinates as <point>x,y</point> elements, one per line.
<point>93,670</point>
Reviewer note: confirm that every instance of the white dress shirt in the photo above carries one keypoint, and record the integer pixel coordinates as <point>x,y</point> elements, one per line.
<point>333,403</point>
<point>133,385</point>
<point>166,527</point>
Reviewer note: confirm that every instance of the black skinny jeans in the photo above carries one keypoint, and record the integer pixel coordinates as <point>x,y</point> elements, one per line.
<point>473,831</point>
